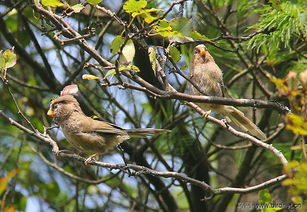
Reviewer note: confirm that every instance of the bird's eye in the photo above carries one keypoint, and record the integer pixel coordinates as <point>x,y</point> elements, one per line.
<point>55,106</point>
<point>196,51</point>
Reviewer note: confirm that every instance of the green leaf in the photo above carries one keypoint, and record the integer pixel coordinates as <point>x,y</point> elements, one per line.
<point>153,57</point>
<point>3,184</point>
<point>265,200</point>
<point>174,53</point>
<point>77,8</point>
<point>52,3</point>
<point>244,6</point>
<point>112,72</point>
<point>4,180</point>
<point>2,62</point>
<point>197,36</point>
<point>182,25</point>
<point>164,24</point>
<point>116,43</point>
<point>94,2</point>
<point>131,6</point>
<point>147,107</point>
<point>148,15</point>
<point>10,58</point>
<point>129,68</point>
<point>7,59</point>
<point>184,67</point>
<point>89,77</point>
<point>164,29</point>
<point>128,53</point>
<point>265,196</point>
<point>20,201</point>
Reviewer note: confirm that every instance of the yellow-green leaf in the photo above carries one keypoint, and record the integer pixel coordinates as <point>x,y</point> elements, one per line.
<point>128,53</point>
<point>297,124</point>
<point>89,77</point>
<point>7,59</point>
<point>77,8</point>
<point>182,25</point>
<point>148,15</point>
<point>4,180</point>
<point>163,25</point>
<point>3,184</point>
<point>116,43</point>
<point>12,173</point>
<point>165,29</point>
<point>153,57</point>
<point>52,3</point>
<point>131,6</point>
<point>280,84</point>
<point>110,73</point>
<point>174,53</point>
<point>129,68</point>
<point>265,196</point>
<point>2,62</point>
<point>144,11</point>
<point>122,68</point>
<point>197,36</point>
<point>183,67</point>
<point>9,209</point>
<point>94,2</point>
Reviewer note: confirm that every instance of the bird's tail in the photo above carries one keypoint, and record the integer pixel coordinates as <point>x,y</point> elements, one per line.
<point>143,132</point>
<point>238,118</point>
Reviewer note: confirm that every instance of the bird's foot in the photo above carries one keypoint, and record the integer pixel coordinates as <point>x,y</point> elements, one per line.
<point>226,122</point>
<point>206,114</point>
<point>90,159</point>
<point>119,148</point>
<point>49,128</point>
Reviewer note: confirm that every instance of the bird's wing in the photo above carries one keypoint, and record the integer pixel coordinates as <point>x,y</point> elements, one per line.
<point>102,127</point>
<point>223,88</point>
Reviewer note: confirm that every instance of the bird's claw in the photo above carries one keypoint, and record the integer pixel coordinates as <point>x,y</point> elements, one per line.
<point>206,114</point>
<point>225,122</point>
<point>89,159</point>
<point>120,148</point>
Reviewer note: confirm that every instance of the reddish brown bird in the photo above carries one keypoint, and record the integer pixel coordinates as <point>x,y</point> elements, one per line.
<point>208,77</point>
<point>90,136</point>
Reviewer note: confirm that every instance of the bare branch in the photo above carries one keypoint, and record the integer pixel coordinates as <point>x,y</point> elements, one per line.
<point>252,188</point>
<point>246,136</point>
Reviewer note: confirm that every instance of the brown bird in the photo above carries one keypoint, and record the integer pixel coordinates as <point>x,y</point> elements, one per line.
<point>208,77</point>
<point>90,136</point>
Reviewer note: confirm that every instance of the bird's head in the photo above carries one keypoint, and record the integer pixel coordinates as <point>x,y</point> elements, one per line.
<point>201,54</point>
<point>63,107</point>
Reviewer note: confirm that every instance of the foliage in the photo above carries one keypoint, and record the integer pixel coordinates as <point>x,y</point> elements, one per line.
<point>265,199</point>
<point>7,60</point>
<point>296,183</point>
<point>287,17</point>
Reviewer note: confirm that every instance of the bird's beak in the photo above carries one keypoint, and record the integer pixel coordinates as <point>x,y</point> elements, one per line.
<point>203,52</point>
<point>50,113</point>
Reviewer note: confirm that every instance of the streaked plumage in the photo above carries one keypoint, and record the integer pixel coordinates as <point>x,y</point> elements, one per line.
<point>206,74</point>
<point>90,136</point>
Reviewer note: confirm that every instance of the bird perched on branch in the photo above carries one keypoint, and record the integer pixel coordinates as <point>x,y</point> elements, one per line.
<point>90,136</point>
<point>208,78</point>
